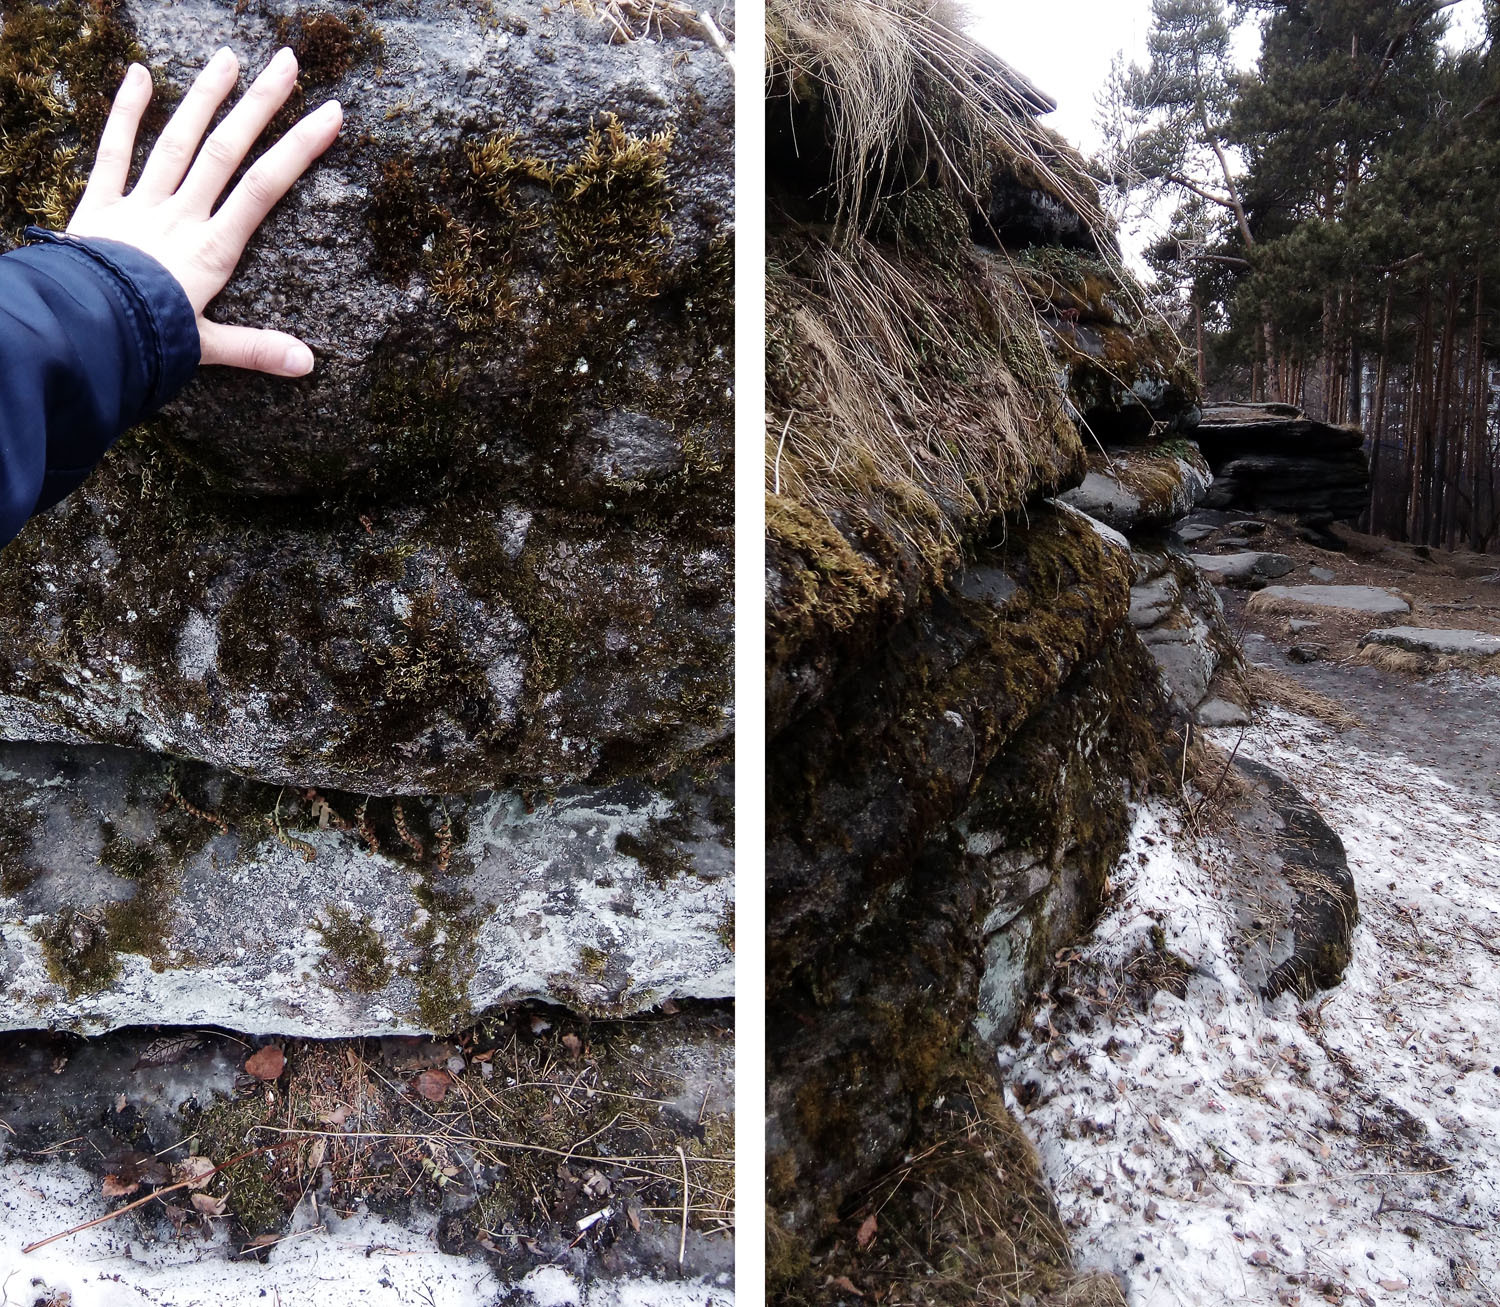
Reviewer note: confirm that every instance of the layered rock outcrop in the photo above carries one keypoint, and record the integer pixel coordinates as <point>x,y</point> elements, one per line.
<point>959,702</point>
<point>1274,458</point>
<point>425,656</point>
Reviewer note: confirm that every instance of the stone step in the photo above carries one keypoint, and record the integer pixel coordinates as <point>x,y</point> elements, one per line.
<point>1437,640</point>
<point>1344,598</point>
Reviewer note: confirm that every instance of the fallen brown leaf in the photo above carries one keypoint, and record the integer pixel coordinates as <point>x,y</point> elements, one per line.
<point>867,1228</point>
<point>117,1187</point>
<point>434,1085</point>
<point>194,1170</point>
<point>266,1064</point>
<point>208,1205</point>
<point>573,1044</point>
<point>845,1283</point>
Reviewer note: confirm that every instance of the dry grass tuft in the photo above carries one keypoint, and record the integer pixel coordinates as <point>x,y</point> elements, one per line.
<point>967,1218</point>
<point>1407,662</point>
<point>1267,685</point>
<point>635,20</point>
<point>900,79</point>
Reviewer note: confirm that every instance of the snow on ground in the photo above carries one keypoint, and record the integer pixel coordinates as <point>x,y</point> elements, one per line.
<point>1222,1148</point>
<point>364,1260</point>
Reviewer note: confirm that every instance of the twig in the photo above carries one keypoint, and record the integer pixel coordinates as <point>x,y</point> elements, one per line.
<point>1331,1179</point>
<point>716,37</point>
<point>776,463</point>
<point>196,1180</point>
<point>682,1242</point>
<point>1431,1216</point>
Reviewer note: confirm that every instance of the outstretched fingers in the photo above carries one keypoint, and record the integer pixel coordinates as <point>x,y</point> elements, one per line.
<point>255,348</point>
<point>117,142</point>
<point>232,139</point>
<point>272,175</point>
<point>178,143</point>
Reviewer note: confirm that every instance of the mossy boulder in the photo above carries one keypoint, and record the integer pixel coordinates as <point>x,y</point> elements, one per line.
<point>137,891</point>
<point>949,950</point>
<point>855,786</point>
<point>1142,487</point>
<point>493,253</point>
<point>417,648</point>
<point>487,542</point>
<point>1127,376</point>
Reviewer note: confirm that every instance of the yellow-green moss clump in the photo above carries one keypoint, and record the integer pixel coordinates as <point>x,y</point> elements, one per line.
<point>355,953</point>
<point>60,65</point>
<point>465,223</point>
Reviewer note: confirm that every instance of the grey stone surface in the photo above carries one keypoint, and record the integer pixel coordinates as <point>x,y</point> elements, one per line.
<point>1180,620</point>
<point>1242,568</point>
<point>1322,574</point>
<point>427,648</point>
<point>1214,711</point>
<point>1301,625</point>
<point>396,257</point>
<point>1273,458</point>
<point>1132,488</point>
<point>121,905</point>
<point>1307,652</point>
<point>487,542</point>
<point>1437,640</point>
<point>1345,598</point>
<point>1193,533</point>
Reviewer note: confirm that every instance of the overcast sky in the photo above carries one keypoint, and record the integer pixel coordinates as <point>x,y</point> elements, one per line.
<point>1065,47</point>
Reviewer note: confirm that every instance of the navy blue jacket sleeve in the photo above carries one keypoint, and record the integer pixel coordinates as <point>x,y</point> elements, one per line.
<point>94,337</point>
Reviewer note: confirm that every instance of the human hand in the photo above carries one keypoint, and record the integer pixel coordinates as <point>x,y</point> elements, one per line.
<point>170,212</point>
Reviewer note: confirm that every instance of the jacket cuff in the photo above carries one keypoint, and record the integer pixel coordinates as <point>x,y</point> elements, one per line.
<point>157,307</point>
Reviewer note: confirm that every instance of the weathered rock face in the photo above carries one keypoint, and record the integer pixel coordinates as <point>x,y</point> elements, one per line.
<point>1313,906</point>
<point>407,649</point>
<point>1181,621</point>
<point>1136,489</point>
<point>1121,366</point>
<point>1273,458</point>
<point>486,543</point>
<point>513,177</point>
<point>134,890</point>
<point>959,705</point>
<point>862,1028</point>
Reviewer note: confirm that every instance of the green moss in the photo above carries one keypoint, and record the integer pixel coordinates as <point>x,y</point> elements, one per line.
<point>223,1130</point>
<point>597,220</point>
<point>658,852</point>
<point>18,823</point>
<point>78,952</point>
<point>355,953</point>
<point>448,940</point>
<point>60,65</point>
<point>326,45</point>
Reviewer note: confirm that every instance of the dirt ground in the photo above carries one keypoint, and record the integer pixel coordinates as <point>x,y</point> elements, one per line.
<point>1452,590</point>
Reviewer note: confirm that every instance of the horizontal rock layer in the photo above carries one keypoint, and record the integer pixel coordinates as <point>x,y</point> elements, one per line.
<point>440,647</point>
<point>133,891</point>
<point>1273,458</point>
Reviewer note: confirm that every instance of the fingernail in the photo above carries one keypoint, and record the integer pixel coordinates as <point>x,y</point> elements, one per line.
<point>284,57</point>
<point>298,361</point>
<point>330,111</point>
<point>223,57</point>
<point>136,74</point>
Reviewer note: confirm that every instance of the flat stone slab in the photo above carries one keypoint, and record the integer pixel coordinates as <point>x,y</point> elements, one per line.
<point>135,891</point>
<point>1345,598</point>
<point>1243,567</point>
<point>1437,640</point>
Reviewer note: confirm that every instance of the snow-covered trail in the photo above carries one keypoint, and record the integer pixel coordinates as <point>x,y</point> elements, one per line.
<point>1222,1148</point>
